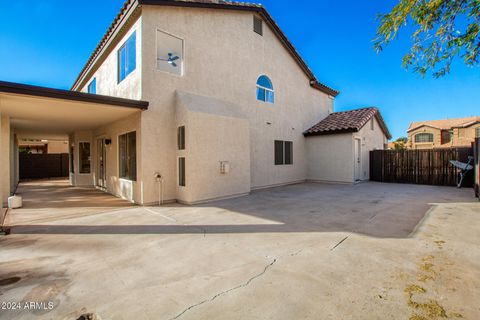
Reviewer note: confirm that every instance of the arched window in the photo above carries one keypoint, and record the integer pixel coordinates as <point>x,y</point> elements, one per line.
<point>424,137</point>
<point>265,90</point>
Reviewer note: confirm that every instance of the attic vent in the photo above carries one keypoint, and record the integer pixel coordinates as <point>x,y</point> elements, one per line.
<point>257,25</point>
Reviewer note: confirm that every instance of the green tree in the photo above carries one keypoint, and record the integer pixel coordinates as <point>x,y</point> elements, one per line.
<point>442,30</point>
<point>402,139</point>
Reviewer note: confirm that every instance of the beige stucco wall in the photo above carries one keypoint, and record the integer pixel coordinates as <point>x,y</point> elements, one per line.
<point>57,146</point>
<point>5,155</point>
<point>213,135</point>
<point>126,189</point>
<point>370,140</point>
<point>223,59</point>
<point>331,158</point>
<point>437,138</point>
<point>107,74</point>
<point>461,137</point>
<point>465,136</point>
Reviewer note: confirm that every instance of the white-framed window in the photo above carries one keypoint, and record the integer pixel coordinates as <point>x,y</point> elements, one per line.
<point>127,57</point>
<point>127,155</point>
<point>170,53</point>
<point>265,90</point>
<point>424,137</point>
<point>283,152</point>
<point>84,157</point>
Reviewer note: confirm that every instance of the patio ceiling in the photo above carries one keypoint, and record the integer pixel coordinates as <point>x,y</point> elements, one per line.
<point>35,109</point>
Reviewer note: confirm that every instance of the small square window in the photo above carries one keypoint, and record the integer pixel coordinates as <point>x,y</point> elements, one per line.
<point>258,25</point>
<point>283,152</point>
<point>169,53</point>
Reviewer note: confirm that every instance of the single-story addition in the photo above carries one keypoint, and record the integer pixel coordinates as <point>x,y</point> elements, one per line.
<point>338,147</point>
<point>189,101</point>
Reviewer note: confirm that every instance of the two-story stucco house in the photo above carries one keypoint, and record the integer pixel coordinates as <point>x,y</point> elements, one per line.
<point>446,133</point>
<point>191,101</point>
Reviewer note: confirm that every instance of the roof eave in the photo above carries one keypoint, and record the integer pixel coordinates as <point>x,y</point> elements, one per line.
<point>36,91</point>
<point>329,132</point>
<point>127,10</point>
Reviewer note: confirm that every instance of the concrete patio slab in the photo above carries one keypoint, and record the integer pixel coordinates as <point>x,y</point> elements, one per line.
<point>309,251</point>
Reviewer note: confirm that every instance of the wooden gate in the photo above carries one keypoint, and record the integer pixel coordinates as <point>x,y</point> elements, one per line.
<point>38,166</point>
<point>430,166</point>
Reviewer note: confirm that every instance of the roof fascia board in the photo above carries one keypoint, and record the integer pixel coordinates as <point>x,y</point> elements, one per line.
<point>109,37</point>
<point>314,83</point>
<point>36,91</point>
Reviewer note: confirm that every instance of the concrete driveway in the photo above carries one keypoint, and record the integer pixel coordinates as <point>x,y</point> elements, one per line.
<point>306,251</point>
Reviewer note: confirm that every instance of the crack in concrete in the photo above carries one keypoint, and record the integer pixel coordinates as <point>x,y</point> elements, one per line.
<point>339,243</point>
<point>245,284</point>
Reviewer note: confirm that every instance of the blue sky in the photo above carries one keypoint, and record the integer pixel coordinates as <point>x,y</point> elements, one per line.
<point>47,42</point>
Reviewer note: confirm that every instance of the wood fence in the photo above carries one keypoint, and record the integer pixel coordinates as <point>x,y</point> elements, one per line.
<point>476,151</point>
<point>430,166</point>
<point>38,166</point>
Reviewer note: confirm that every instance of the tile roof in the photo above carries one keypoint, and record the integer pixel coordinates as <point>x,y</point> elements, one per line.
<point>444,124</point>
<point>130,8</point>
<point>347,121</point>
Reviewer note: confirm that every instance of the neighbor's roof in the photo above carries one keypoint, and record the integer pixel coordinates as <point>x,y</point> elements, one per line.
<point>130,8</point>
<point>445,124</point>
<point>347,121</point>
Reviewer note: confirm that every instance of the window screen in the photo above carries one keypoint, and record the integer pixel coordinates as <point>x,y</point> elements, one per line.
<point>288,152</point>
<point>283,152</point>
<point>181,138</point>
<point>258,25</point>
<point>278,152</point>
<point>424,137</point>
<point>127,153</point>
<point>181,172</point>
<point>92,87</point>
<point>127,57</point>
<point>84,157</point>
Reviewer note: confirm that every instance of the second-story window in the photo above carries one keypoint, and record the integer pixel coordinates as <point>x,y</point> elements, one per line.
<point>92,87</point>
<point>257,25</point>
<point>127,57</point>
<point>424,137</point>
<point>265,90</point>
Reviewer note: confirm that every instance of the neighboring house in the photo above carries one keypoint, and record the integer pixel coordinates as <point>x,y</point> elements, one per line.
<point>43,146</point>
<point>338,147</point>
<point>459,132</point>
<point>191,101</point>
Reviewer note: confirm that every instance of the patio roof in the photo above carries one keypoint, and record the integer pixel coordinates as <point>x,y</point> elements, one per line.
<point>38,109</point>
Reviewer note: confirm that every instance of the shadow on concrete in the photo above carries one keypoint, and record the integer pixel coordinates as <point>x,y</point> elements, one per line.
<point>373,209</point>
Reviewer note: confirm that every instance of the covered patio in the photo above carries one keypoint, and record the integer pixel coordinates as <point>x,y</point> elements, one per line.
<point>33,112</point>
<point>47,201</point>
